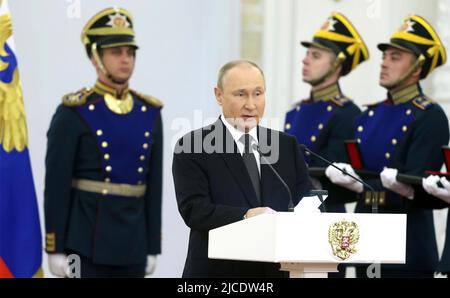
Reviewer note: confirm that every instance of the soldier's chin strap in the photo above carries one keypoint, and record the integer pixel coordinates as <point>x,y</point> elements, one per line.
<point>338,62</point>
<point>418,64</point>
<point>100,64</point>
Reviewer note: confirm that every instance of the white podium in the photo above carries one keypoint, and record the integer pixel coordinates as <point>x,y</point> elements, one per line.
<point>301,243</point>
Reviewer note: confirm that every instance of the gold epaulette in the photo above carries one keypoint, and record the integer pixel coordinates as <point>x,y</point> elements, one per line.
<point>340,100</point>
<point>423,102</point>
<point>78,98</point>
<point>153,101</point>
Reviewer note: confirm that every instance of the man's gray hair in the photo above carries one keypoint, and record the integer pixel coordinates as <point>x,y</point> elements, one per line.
<point>230,65</point>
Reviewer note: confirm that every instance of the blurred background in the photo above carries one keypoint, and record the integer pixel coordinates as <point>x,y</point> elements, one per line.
<point>183,43</point>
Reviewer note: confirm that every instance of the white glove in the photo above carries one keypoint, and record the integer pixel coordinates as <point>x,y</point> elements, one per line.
<point>343,180</point>
<point>389,181</point>
<point>431,187</point>
<point>58,264</point>
<point>151,264</point>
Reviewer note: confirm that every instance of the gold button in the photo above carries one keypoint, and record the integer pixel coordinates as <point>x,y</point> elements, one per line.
<point>313,139</point>
<point>360,129</point>
<point>145,146</point>
<point>329,108</point>
<point>387,155</point>
<point>144,109</point>
<point>371,113</point>
<point>320,126</point>
<point>108,169</point>
<point>106,156</point>
<point>105,192</point>
<point>107,180</point>
<point>140,170</point>
<point>288,126</point>
<point>298,108</point>
<point>105,144</point>
<point>359,141</point>
<point>142,157</point>
<point>408,112</point>
<point>394,142</point>
<point>405,128</point>
<point>91,107</point>
<point>147,134</point>
<point>99,132</point>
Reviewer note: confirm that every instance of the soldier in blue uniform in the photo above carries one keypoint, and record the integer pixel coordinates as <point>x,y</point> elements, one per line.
<point>325,120</point>
<point>403,134</point>
<point>104,163</point>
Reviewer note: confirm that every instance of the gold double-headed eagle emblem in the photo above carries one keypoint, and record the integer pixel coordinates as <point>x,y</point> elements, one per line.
<point>343,236</point>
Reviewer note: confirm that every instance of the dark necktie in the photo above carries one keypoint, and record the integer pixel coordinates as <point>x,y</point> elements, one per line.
<point>250,164</point>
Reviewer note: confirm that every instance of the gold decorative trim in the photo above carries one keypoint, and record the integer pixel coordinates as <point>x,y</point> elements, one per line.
<point>124,190</point>
<point>327,93</point>
<point>119,106</point>
<point>406,94</point>
<point>78,98</point>
<point>50,242</point>
<point>153,101</point>
<point>110,31</point>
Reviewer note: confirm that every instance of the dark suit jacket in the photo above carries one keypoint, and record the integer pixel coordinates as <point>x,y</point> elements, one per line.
<point>213,189</point>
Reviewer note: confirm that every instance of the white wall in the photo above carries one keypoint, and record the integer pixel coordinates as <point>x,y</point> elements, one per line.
<point>182,46</point>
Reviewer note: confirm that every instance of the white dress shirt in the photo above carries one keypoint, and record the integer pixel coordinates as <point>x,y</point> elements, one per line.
<point>237,134</point>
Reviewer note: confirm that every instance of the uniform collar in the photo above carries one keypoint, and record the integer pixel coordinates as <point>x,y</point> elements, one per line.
<point>103,89</point>
<point>406,94</point>
<point>327,93</point>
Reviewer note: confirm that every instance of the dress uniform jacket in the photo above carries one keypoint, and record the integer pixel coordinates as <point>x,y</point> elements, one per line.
<point>323,123</point>
<point>87,141</point>
<point>405,132</point>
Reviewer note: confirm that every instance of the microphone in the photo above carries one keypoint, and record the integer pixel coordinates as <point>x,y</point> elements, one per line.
<point>374,202</point>
<point>291,203</point>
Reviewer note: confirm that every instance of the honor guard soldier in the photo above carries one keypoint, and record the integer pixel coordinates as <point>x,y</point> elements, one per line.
<point>325,120</point>
<point>403,134</point>
<point>104,164</point>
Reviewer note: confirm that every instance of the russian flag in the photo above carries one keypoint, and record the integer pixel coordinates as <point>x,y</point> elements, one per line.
<point>20,233</point>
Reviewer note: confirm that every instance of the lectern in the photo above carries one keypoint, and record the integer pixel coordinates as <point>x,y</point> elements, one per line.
<point>312,244</point>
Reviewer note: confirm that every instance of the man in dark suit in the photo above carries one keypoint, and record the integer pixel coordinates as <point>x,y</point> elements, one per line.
<point>220,177</point>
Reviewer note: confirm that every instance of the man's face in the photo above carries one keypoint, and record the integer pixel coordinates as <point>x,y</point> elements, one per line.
<point>119,62</point>
<point>243,96</point>
<point>317,63</point>
<point>396,63</point>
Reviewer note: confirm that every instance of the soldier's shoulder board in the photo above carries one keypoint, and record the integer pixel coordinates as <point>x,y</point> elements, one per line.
<point>423,102</point>
<point>341,100</point>
<point>78,98</point>
<point>151,100</point>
